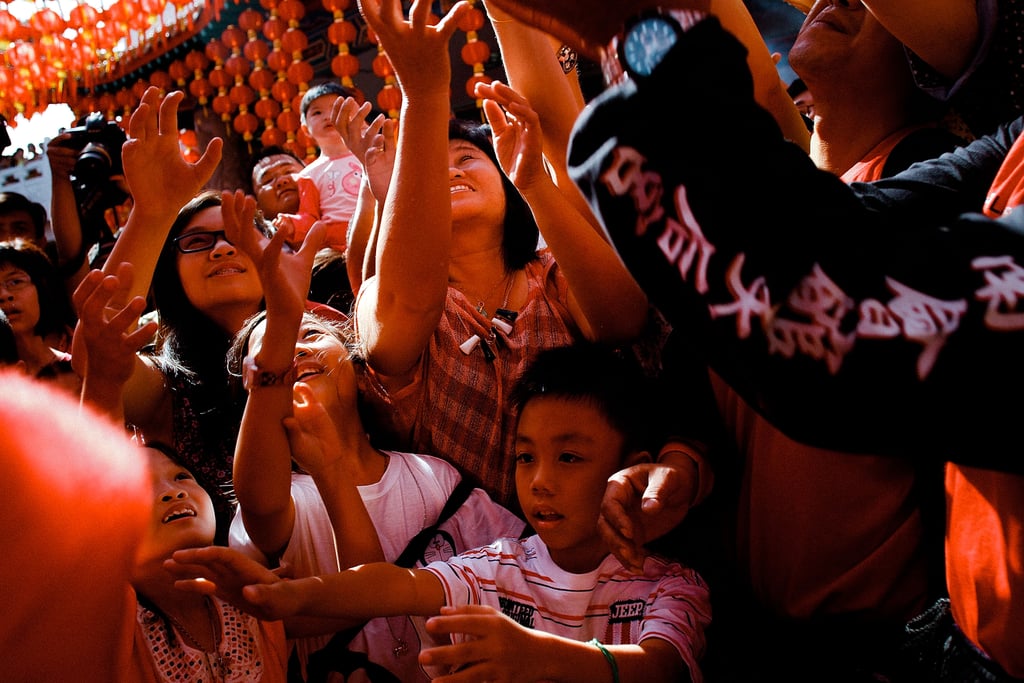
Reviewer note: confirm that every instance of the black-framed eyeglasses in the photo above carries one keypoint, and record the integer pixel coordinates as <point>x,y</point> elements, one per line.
<point>200,240</point>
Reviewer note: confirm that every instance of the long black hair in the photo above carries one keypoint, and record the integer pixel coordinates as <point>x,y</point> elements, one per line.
<point>56,314</point>
<point>188,341</point>
<point>521,233</point>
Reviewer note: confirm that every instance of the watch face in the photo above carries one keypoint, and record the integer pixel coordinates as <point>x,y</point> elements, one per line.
<point>646,44</point>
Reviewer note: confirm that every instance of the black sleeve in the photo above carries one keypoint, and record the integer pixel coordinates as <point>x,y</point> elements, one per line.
<point>848,320</point>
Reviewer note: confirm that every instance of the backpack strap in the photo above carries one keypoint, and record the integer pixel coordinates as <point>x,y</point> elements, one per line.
<point>414,550</point>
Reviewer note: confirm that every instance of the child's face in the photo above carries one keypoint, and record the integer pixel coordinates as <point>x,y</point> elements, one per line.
<point>317,121</point>
<point>565,452</point>
<point>321,362</point>
<point>182,515</point>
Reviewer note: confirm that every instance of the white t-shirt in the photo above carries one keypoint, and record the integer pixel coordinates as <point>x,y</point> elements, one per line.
<point>408,497</point>
<point>610,603</point>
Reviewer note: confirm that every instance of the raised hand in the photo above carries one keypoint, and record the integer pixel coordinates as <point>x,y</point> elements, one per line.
<point>417,49</point>
<point>158,175</point>
<point>374,144</point>
<point>517,135</point>
<point>312,434</point>
<point>640,504</point>
<point>284,273</point>
<point>109,334</point>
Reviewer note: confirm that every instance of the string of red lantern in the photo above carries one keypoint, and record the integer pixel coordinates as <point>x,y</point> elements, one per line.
<point>475,52</point>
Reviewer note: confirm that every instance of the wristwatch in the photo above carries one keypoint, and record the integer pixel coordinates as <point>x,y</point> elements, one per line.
<point>254,377</point>
<point>645,40</point>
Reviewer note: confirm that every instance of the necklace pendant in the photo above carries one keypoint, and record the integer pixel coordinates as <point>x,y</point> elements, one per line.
<point>481,309</point>
<point>400,648</point>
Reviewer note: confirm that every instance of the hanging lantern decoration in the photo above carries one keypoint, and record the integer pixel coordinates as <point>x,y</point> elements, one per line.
<point>200,87</point>
<point>220,79</point>
<point>261,79</point>
<point>188,143</point>
<point>179,72</point>
<point>475,52</point>
<point>162,80</point>
<point>390,96</point>
<point>340,33</point>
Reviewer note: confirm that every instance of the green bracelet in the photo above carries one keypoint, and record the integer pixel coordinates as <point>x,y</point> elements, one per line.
<point>609,656</point>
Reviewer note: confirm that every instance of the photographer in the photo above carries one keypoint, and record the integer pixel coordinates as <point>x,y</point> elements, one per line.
<point>89,195</point>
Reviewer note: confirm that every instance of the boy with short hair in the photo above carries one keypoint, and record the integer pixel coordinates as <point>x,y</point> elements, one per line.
<point>558,595</point>
<point>329,185</point>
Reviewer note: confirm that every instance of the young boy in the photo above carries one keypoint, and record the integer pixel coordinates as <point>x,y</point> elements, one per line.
<point>557,595</point>
<point>329,185</point>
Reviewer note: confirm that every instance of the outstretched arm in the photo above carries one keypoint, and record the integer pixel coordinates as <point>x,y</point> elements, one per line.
<point>371,590</point>
<point>399,308</point>
<point>161,182</point>
<point>605,300</point>
<point>262,464</point>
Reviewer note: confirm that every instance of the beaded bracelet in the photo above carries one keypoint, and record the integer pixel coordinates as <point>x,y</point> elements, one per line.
<point>609,656</point>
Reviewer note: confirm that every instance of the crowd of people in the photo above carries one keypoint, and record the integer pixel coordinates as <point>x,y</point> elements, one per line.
<point>618,390</point>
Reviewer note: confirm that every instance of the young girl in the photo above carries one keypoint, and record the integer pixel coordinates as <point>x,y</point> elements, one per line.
<point>176,636</point>
<point>348,502</point>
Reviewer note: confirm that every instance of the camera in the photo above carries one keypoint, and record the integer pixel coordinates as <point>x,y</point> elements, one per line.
<point>99,143</point>
<point>97,177</point>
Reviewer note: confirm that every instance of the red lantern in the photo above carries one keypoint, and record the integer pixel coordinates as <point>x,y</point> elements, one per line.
<point>261,80</point>
<point>273,137</point>
<point>283,91</point>
<point>294,41</point>
<point>9,26</point>
<point>473,80</point>
<point>196,61</point>
<point>217,51</point>
<point>246,124</point>
<point>300,73</point>
<point>250,20</point>
<point>189,145</point>
<point>220,78</point>
<point>278,60</point>
<point>345,66</point>
<point>291,10</point>
<point>162,80</point>
<point>390,99</point>
<point>336,6</point>
<point>233,37</point>
<point>47,22</point>
<point>223,105</point>
<point>476,52</point>
<point>382,65</point>
<point>289,120</point>
<point>238,66</point>
<point>178,71</point>
<point>201,89</point>
<point>242,94</point>
<point>472,20</point>
<point>267,109</point>
<point>341,32</point>
<point>256,51</point>
<point>274,28</point>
